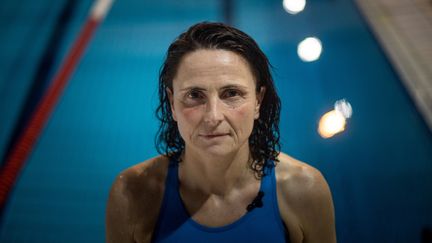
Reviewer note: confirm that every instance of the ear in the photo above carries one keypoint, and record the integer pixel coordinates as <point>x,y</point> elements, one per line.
<point>259,99</point>
<point>171,102</point>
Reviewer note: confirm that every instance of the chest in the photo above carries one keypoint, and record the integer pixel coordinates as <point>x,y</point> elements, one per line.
<point>214,211</point>
<point>198,214</point>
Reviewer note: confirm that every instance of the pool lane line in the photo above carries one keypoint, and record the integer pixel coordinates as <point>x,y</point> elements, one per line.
<point>41,78</point>
<point>23,148</point>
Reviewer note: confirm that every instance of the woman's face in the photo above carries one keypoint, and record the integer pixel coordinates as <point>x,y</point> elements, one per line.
<point>214,101</point>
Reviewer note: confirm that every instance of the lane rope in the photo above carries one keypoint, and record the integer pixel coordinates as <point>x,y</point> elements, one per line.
<point>23,148</point>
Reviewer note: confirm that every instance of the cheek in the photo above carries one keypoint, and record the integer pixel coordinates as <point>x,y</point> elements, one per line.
<point>190,114</point>
<point>243,118</point>
<point>187,118</point>
<point>244,112</point>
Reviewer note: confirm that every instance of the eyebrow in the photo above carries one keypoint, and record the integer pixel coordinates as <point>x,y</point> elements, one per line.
<point>234,86</point>
<point>192,87</point>
<point>229,86</point>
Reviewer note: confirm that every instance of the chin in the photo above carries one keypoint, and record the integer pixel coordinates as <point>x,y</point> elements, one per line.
<point>217,150</point>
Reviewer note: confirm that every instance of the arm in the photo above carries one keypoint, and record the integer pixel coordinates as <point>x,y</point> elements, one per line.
<point>134,202</point>
<point>305,202</point>
<point>318,219</point>
<point>119,221</point>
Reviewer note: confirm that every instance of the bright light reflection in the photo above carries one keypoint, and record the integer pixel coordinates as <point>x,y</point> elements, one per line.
<point>344,107</point>
<point>294,6</point>
<point>309,49</point>
<point>331,123</point>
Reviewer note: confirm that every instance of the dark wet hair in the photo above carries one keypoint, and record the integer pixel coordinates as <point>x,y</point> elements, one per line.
<point>264,140</point>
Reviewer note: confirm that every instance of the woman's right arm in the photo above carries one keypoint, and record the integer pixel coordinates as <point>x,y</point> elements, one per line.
<point>119,218</point>
<point>134,202</point>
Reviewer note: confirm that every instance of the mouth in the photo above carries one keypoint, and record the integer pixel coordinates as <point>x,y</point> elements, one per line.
<point>217,135</point>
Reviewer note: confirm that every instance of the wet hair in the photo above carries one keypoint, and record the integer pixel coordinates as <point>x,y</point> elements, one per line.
<point>264,140</point>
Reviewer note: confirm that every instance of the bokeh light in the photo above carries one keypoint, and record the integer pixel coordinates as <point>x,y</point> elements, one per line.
<point>331,123</point>
<point>344,107</point>
<point>309,49</point>
<point>335,121</point>
<point>294,6</point>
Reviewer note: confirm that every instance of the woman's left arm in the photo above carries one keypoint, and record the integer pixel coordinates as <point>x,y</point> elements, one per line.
<point>318,220</point>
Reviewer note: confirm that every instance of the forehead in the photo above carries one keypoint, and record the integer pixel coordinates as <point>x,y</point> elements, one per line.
<point>213,67</point>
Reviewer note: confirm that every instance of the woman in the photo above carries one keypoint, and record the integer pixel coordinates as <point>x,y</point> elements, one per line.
<point>220,175</point>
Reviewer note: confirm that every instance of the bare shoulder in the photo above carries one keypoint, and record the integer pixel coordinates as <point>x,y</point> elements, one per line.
<point>134,201</point>
<point>305,201</point>
<point>298,176</point>
<point>149,174</point>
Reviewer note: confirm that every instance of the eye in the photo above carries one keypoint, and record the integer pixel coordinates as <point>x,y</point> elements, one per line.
<point>231,93</point>
<point>194,94</point>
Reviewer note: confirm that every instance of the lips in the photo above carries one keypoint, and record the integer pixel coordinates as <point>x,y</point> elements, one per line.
<point>215,135</point>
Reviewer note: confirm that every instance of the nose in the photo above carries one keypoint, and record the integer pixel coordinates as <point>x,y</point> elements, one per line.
<point>214,112</point>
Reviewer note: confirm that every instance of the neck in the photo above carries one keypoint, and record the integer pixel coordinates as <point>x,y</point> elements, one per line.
<point>215,174</point>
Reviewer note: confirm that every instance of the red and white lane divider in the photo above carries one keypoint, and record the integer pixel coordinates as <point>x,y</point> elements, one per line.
<point>23,148</point>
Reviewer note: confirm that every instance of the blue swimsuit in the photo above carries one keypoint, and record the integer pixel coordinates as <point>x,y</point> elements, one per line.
<point>262,224</point>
